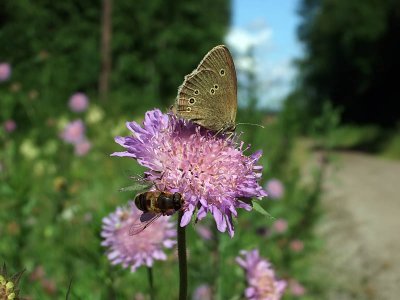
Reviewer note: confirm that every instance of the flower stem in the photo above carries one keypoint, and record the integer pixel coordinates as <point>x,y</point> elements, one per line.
<point>151,282</point>
<point>182,259</point>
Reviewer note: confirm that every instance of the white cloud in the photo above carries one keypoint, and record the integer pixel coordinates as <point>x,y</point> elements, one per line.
<point>273,67</point>
<point>283,70</point>
<point>276,81</point>
<point>242,40</point>
<point>245,63</point>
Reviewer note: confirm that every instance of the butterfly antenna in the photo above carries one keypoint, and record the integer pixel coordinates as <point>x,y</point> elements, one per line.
<point>250,124</point>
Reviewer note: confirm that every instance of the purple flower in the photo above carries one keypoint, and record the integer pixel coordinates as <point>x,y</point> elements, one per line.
<point>140,249</point>
<point>10,125</point>
<point>202,292</point>
<point>261,279</point>
<point>74,132</point>
<point>78,102</point>
<point>5,71</point>
<point>275,189</point>
<point>211,172</point>
<point>82,147</point>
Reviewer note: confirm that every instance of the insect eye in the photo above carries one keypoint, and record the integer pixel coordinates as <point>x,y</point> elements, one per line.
<point>188,109</point>
<point>196,92</point>
<point>192,100</point>
<point>222,72</point>
<point>212,91</point>
<point>216,86</point>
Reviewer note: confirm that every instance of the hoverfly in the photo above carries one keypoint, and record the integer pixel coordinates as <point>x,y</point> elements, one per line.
<point>155,204</point>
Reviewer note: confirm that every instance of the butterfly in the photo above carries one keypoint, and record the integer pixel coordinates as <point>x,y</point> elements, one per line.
<point>208,95</point>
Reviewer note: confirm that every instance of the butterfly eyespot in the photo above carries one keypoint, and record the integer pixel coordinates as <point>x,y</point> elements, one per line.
<point>196,92</point>
<point>222,72</point>
<point>192,100</point>
<point>188,109</point>
<point>212,91</point>
<point>216,86</point>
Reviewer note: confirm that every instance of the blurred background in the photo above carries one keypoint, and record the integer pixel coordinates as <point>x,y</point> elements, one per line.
<point>319,75</point>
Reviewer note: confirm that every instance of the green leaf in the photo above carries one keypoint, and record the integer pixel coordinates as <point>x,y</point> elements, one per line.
<point>258,208</point>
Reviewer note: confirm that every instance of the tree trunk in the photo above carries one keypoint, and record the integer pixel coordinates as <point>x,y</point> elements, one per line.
<point>105,50</point>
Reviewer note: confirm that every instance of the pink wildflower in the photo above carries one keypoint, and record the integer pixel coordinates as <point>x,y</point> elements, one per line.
<point>280,225</point>
<point>211,172</point>
<point>261,279</point>
<point>82,147</point>
<point>5,71</point>
<point>74,132</point>
<point>141,249</point>
<point>296,288</point>
<point>275,189</point>
<point>202,292</point>
<point>78,102</point>
<point>10,125</point>
<point>296,245</point>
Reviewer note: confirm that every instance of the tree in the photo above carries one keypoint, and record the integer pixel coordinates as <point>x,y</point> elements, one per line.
<point>53,46</point>
<point>352,58</point>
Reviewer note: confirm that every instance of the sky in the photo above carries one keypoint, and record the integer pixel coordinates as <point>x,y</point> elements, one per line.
<point>269,26</point>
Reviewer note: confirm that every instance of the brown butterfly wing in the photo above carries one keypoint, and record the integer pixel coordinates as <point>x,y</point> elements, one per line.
<point>208,95</point>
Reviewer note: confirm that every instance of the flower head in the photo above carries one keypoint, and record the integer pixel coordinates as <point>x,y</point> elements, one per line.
<point>82,147</point>
<point>95,115</point>
<point>296,288</point>
<point>260,277</point>
<point>74,132</point>
<point>275,189</point>
<point>10,125</point>
<point>280,225</point>
<point>296,245</point>
<point>5,71</point>
<point>78,102</point>
<point>9,284</point>
<point>210,171</point>
<point>28,149</point>
<point>202,292</point>
<point>140,249</point>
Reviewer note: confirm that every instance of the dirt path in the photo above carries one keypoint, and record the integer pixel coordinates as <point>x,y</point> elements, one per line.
<point>361,227</point>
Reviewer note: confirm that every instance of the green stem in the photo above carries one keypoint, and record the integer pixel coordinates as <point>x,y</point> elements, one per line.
<point>182,259</point>
<point>151,283</point>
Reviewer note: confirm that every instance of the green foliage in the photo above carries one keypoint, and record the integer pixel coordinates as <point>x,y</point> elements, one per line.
<point>258,208</point>
<point>351,58</point>
<point>325,124</point>
<point>391,148</point>
<point>329,134</point>
<point>54,49</point>
<point>155,47</point>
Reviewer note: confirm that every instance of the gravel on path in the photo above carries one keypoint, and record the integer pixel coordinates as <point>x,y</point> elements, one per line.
<point>361,227</point>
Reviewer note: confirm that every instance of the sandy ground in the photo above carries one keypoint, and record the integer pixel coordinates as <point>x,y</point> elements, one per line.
<point>361,228</point>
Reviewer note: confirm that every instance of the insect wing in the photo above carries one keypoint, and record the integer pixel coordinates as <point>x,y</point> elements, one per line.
<point>147,216</point>
<point>208,95</point>
<point>140,225</point>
